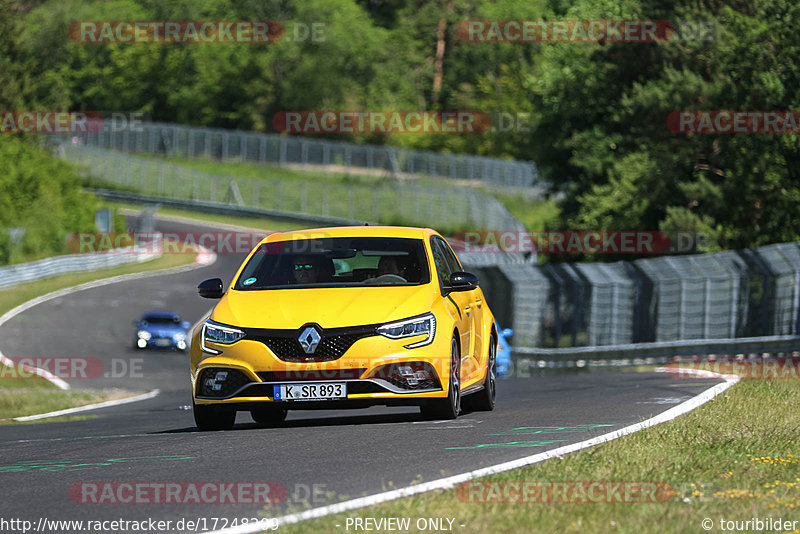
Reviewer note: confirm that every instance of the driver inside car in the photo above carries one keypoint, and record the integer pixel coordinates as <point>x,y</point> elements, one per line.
<point>395,265</point>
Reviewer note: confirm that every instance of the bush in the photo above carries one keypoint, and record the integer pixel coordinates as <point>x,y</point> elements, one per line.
<point>42,195</point>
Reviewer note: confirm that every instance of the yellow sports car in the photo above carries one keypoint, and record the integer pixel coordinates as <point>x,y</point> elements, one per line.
<point>344,317</point>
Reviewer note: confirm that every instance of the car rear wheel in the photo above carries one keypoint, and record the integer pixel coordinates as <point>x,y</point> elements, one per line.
<point>449,407</point>
<point>483,400</point>
<point>268,415</point>
<point>213,417</point>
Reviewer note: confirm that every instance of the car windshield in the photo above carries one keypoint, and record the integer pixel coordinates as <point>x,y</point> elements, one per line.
<point>336,262</point>
<point>161,320</point>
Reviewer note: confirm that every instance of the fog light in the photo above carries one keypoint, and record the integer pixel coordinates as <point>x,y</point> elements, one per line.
<point>413,376</point>
<point>141,343</point>
<point>181,345</point>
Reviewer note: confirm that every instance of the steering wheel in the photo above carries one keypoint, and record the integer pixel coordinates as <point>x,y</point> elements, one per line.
<point>385,278</point>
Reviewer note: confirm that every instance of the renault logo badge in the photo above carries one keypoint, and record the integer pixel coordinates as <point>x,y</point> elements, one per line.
<point>309,339</point>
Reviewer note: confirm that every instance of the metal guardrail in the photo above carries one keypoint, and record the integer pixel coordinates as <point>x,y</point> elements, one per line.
<point>36,270</point>
<point>222,208</point>
<point>286,150</point>
<point>666,349</point>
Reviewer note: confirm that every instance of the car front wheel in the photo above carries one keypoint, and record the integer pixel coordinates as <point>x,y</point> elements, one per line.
<point>450,406</point>
<point>213,417</point>
<point>483,400</point>
<point>268,415</point>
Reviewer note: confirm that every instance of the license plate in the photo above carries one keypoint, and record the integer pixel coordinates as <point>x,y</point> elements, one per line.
<point>316,391</point>
<point>162,342</point>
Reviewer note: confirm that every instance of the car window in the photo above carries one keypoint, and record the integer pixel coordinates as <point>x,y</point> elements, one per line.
<point>443,267</point>
<point>160,320</point>
<point>335,262</point>
<point>452,261</point>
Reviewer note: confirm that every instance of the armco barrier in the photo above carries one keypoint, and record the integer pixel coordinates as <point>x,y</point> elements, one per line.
<point>668,349</point>
<point>36,270</point>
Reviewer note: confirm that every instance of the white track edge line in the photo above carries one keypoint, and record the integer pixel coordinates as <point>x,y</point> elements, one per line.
<point>88,407</point>
<point>450,482</point>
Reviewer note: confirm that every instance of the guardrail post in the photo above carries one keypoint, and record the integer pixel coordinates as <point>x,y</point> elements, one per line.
<point>350,202</point>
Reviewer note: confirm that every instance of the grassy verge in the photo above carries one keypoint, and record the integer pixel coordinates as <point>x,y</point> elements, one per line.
<point>260,223</point>
<point>21,394</point>
<point>534,214</point>
<point>447,205</point>
<point>16,295</point>
<point>734,458</point>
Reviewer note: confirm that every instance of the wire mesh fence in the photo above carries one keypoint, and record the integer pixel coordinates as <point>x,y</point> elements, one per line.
<point>329,156</point>
<point>731,294</point>
<point>447,207</point>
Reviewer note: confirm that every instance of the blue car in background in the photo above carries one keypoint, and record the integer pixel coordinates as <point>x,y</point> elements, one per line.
<point>163,330</point>
<point>504,351</point>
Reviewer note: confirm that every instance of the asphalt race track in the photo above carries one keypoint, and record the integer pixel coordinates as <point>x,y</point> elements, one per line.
<point>344,454</point>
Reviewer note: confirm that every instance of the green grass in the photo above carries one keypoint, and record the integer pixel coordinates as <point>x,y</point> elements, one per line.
<point>42,400</point>
<point>535,214</point>
<point>22,394</point>
<point>239,169</point>
<point>736,458</point>
<point>16,295</point>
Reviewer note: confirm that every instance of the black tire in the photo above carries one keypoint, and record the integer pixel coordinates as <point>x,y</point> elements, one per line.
<point>268,415</point>
<point>450,406</point>
<point>213,417</point>
<point>483,400</point>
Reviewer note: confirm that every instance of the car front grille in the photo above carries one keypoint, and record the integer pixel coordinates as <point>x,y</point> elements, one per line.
<point>310,374</point>
<point>333,343</point>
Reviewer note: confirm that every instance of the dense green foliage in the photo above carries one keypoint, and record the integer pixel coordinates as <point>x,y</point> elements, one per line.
<point>595,113</point>
<point>43,196</point>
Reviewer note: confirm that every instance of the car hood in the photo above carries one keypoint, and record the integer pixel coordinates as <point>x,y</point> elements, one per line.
<point>328,307</point>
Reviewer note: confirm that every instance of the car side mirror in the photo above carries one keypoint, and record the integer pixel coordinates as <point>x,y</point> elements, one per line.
<point>211,288</point>
<point>186,325</point>
<point>507,332</point>
<point>463,281</point>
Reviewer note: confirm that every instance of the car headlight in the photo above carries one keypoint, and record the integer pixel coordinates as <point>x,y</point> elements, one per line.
<point>415,326</point>
<point>217,333</point>
<point>143,334</point>
<point>180,336</point>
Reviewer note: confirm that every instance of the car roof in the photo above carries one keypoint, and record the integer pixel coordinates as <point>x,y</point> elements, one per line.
<point>161,314</point>
<point>352,231</point>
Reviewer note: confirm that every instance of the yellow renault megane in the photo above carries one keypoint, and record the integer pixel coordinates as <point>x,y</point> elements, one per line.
<point>344,317</point>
